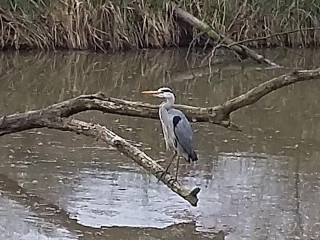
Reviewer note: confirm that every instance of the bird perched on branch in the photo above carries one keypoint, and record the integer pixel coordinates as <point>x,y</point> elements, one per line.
<point>176,129</point>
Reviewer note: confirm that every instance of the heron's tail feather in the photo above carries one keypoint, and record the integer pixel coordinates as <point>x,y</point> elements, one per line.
<point>193,156</point>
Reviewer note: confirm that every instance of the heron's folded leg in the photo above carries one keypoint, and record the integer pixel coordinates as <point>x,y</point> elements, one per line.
<point>168,166</point>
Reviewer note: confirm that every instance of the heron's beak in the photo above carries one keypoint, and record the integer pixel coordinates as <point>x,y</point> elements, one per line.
<point>149,92</point>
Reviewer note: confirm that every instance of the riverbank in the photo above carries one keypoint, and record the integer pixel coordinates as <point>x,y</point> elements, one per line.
<point>121,25</point>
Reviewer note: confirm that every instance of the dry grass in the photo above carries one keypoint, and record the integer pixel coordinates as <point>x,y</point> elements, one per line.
<point>98,25</point>
<point>118,25</point>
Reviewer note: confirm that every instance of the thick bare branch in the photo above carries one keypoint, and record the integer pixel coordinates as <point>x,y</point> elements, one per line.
<point>241,50</point>
<point>101,132</point>
<point>52,118</point>
<point>56,116</point>
<point>263,89</point>
<point>13,123</point>
<point>218,115</point>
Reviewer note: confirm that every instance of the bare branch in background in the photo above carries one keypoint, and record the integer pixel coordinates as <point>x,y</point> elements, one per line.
<point>241,50</point>
<point>274,35</point>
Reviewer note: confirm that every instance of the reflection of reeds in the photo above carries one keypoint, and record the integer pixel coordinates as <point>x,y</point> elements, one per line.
<point>63,75</point>
<point>117,25</point>
<point>41,79</point>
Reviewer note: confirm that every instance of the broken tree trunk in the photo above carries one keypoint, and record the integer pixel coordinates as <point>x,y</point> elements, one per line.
<point>243,51</point>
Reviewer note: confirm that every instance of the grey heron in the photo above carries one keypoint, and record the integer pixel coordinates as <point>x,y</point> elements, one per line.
<point>176,129</point>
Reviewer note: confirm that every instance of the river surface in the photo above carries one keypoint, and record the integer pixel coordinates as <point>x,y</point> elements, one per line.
<point>261,183</point>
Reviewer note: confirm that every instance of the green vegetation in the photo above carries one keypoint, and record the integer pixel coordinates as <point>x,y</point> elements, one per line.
<point>123,24</point>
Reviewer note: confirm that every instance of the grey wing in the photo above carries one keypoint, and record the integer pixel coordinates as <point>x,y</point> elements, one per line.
<point>182,131</point>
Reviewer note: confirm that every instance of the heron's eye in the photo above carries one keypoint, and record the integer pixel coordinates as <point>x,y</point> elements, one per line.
<point>166,91</point>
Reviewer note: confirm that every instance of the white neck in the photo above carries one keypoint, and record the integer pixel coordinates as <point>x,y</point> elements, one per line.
<point>168,103</point>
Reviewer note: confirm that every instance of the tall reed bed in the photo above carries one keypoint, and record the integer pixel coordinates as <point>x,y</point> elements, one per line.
<point>125,24</point>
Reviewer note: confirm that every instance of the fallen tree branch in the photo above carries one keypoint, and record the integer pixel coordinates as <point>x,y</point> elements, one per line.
<point>55,117</point>
<point>241,50</point>
<point>219,115</point>
<point>19,122</point>
<point>101,132</point>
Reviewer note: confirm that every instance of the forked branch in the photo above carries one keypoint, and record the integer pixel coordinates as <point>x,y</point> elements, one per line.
<point>241,50</point>
<point>264,88</point>
<point>56,117</point>
<point>217,115</point>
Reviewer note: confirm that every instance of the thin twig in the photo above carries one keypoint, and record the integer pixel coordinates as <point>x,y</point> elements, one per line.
<point>272,35</point>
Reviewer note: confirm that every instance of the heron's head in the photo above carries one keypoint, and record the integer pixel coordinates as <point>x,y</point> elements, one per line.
<point>163,92</point>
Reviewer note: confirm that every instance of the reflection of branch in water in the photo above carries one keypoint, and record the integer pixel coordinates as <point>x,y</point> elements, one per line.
<point>299,229</point>
<point>58,216</point>
<point>216,68</point>
<point>38,205</point>
<point>199,72</point>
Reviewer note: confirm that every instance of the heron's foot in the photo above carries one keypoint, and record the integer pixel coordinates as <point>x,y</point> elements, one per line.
<point>167,167</point>
<point>157,172</point>
<point>162,175</point>
<point>172,181</point>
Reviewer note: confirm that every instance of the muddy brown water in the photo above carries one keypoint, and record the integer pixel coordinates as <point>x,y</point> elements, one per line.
<point>261,183</point>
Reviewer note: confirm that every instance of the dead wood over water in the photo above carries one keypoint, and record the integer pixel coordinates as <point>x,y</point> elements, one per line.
<point>57,117</point>
<point>241,50</point>
<point>219,115</point>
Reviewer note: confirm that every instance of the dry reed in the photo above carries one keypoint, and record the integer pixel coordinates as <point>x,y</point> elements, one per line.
<point>123,24</point>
